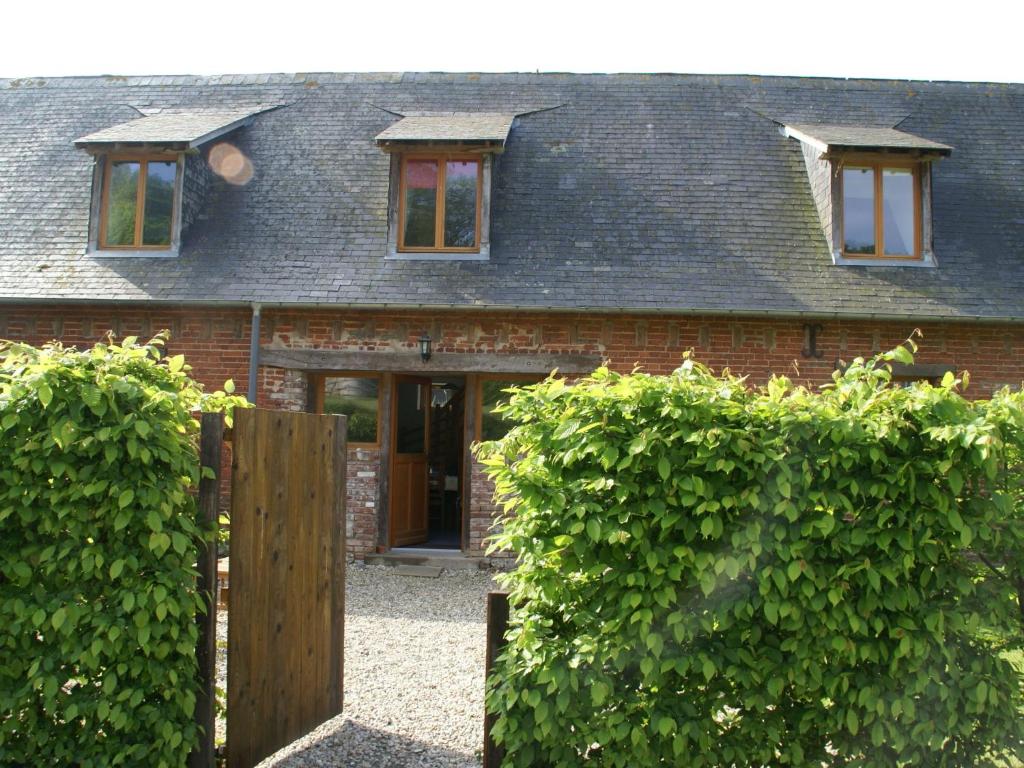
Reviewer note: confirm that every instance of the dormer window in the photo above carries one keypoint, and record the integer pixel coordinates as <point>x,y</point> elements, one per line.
<point>440,191</point>
<point>150,177</point>
<point>440,203</point>
<point>138,202</point>
<point>881,210</point>
<point>872,188</point>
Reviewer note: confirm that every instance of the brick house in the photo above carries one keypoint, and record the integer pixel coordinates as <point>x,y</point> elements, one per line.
<point>398,246</point>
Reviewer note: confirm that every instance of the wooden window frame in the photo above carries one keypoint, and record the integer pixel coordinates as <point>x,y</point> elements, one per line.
<point>143,159</point>
<point>879,165</point>
<point>529,378</point>
<point>442,158</point>
<point>319,388</point>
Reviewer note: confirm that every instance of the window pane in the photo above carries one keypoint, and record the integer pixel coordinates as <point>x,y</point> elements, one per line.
<point>413,400</point>
<point>859,210</point>
<point>493,426</point>
<point>460,203</point>
<point>898,211</point>
<point>159,206</point>
<point>420,203</point>
<point>121,201</point>
<point>355,397</point>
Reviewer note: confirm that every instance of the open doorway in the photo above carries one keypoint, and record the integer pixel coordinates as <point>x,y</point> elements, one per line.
<point>444,463</point>
<point>426,462</point>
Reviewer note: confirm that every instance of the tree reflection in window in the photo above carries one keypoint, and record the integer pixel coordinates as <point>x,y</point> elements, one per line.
<point>460,192</point>
<point>355,397</point>
<point>440,203</point>
<point>133,187</point>
<point>494,426</point>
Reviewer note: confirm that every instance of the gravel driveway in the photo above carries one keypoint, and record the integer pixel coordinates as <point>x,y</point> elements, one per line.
<point>414,674</point>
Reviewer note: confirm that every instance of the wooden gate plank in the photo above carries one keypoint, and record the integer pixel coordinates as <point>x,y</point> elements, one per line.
<point>286,614</point>
<point>243,494</point>
<point>211,442</point>
<point>337,441</point>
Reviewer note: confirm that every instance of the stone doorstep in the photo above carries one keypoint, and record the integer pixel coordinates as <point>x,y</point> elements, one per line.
<point>451,560</point>
<point>424,571</point>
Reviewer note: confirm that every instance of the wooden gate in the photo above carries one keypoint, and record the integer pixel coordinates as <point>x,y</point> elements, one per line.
<point>286,603</point>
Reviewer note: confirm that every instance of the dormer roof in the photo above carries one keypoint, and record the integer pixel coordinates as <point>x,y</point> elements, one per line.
<point>181,129</point>
<point>832,139</point>
<point>449,127</point>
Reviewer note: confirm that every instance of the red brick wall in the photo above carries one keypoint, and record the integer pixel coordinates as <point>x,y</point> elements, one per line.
<point>216,344</point>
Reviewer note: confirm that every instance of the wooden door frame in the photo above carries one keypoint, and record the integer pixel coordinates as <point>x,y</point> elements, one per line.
<point>396,379</point>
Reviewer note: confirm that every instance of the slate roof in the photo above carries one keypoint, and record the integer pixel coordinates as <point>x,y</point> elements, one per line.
<point>666,193</point>
<point>456,126</point>
<point>865,137</point>
<point>190,128</point>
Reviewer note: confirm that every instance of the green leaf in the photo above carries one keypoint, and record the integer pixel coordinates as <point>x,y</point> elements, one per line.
<point>125,498</point>
<point>852,723</point>
<point>176,363</point>
<point>58,618</point>
<point>594,529</point>
<point>902,355</point>
<point>709,669</point>
<point>666,726</point>
<point>981,693</point>
<point>956,480</point>
<point>664,469</point>
<point>116,568</point>
<point>45,394</point>
<point>567,429</point>
<point>598,693</point>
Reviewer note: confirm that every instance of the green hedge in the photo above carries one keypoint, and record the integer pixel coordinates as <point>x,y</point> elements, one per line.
<point>98,595</point>
<point>716,575</point>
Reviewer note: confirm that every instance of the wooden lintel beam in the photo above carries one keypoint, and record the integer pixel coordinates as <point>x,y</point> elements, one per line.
<point>440,362</point>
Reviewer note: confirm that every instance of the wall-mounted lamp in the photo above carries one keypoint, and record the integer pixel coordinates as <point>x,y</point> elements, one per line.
<point>425,343</point>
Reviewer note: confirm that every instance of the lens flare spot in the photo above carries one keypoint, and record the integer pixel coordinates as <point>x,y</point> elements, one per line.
<point>231,164</point>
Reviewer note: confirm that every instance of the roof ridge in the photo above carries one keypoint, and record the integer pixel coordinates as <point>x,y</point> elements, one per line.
<point>298,78</point>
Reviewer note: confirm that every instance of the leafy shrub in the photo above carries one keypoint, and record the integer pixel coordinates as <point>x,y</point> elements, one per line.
<point>713,575</point>
<point>98,595</point>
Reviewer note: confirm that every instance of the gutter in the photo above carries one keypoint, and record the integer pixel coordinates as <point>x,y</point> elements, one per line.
<point>536,309</point>
<point>254,352</point>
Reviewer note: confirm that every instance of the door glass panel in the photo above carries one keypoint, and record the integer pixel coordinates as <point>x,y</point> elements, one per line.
<point>159,205</point>
<point>121,202</point>
<point>859,210</point>
<point>898,211</point>
<point>420,203</point>
<point>460,188</point>
<point>412,402</point>
<point>356,398</point>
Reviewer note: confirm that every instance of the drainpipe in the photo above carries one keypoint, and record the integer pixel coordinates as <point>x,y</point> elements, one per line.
<point>254,352</point>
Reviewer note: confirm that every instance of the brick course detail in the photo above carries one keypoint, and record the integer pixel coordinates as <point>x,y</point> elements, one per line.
<point>216,345</point>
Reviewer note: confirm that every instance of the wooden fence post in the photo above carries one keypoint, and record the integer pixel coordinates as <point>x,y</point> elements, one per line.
<point>497,625</point>
<point>211,440</point>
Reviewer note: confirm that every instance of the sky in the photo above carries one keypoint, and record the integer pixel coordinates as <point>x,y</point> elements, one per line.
<point>898,39</point>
